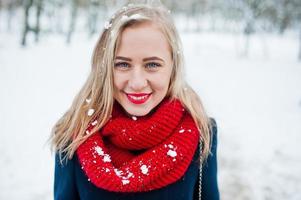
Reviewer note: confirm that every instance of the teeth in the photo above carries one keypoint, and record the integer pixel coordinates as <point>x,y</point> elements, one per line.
<point>138,98</point>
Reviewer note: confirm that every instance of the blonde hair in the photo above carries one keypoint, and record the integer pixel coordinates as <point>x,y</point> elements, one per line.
<point>97,92</point>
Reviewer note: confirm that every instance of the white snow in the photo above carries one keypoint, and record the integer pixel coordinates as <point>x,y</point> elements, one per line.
<point>130,174</point>
<point>181,131</point>
<point>256,102</point>
<point>124,18</point>
<point>88,100</point>
<point>107,25</point>
<point>90,112</point>
<point>144,169</point>
<point>118,172</point>
<point>94,123</point>
<point>124,182</point>
<point>107,158</point>
<point>172,153</point>
<point>99,150</point>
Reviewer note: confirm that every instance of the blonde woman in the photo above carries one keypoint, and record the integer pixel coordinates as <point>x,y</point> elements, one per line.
<point>136,130</point>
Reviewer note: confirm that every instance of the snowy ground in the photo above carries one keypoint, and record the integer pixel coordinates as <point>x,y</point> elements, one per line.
<point>256,102</point>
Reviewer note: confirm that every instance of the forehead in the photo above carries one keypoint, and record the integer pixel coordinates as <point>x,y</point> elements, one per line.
<point>144,38</point>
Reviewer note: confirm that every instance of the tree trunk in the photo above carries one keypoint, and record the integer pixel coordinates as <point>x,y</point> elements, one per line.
<point>94,9</point>
<point>27,5</point>
<point>299,56</point>
<point>248,31</point>
<point>38,15</point>
<point>72,20</point>
<point>10,15</point>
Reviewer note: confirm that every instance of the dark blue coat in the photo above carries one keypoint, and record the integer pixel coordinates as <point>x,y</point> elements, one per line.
<point>71,183</point>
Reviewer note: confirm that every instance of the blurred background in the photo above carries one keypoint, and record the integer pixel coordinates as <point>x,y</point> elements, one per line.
<point>243,57</point>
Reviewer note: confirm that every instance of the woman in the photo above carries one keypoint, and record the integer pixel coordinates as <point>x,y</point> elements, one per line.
<point>136,128</point>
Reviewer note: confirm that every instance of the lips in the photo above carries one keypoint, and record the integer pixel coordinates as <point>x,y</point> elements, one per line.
<point>138,98</point>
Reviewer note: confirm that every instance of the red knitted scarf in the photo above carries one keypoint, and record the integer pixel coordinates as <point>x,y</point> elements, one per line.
<point>136,154</point>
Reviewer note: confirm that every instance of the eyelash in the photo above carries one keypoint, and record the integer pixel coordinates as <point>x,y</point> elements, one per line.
<point>154,64</point>
<point>122,64</point>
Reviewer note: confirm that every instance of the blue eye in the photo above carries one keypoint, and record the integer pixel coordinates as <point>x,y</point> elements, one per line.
<point>122,65</point>
<point>153,65</point>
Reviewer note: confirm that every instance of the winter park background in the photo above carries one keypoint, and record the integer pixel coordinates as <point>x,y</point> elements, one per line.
<point>241,57</point>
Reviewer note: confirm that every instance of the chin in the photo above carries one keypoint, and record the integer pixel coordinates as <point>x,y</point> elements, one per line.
<point>138,112</point>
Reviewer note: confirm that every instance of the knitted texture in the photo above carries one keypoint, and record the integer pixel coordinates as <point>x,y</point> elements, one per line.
<point>137,154</point>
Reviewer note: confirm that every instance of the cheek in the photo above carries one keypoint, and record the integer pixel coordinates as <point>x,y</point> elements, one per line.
<point>118,81</point>
<point>160,82</point>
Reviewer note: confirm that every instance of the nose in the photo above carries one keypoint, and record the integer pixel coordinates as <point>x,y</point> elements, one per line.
<point>137,80</point>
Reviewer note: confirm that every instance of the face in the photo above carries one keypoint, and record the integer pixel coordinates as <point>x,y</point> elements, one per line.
<point>142,68</point>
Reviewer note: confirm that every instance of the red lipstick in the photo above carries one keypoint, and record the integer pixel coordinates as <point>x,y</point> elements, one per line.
<point>138,98</point>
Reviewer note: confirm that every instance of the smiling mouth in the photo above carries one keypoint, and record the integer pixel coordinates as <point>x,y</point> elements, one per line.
<point>138,98</point>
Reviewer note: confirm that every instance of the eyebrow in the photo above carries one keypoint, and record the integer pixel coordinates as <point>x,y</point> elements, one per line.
<point>123,58</point>
<point>144,59</point>
<point>153,58</point>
